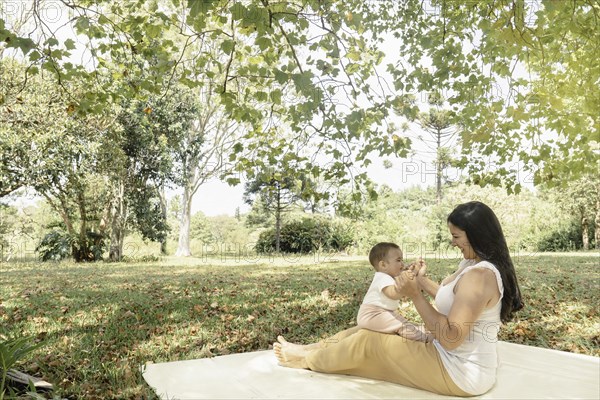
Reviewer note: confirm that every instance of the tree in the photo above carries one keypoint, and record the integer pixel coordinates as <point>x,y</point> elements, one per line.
<point>98,172</point>
<point>521,77</point>
<point>580,199</point>
<point>255,60</point>
<point>141,164</point>
<point>229,233</point>
<point>439,124</point>
<point>279,190</point>
<point>45,147</point>
<point>7,222</point>
<point>201,154</point>
<point>200,228</point>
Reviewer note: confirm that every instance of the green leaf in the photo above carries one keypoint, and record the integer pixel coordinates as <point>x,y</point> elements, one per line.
<point>238,11</point>
<point>83,24</point>
<point>227,46</point>
<point>153,31</point>
<point>276,96</point>
<point>70,44</point>
<point>199,7</point>
<point>51,42</point>
<point>25,44</point>
<point>34,56</point>
<point>354,55</point>
<point>263,43</point>
<point>352,68</point>
<point>303,81</point>
<point>281,76</point>
<point>261,96</point>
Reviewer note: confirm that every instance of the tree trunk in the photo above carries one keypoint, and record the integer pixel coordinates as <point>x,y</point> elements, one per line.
<point>116,240</point>
<point>117,224</point>
<point>278,223</point>
<point>163,209</point>
<point>585,233</point>
<point>81,249</point>
<point>438,170</point>
<point>597,221</point>
<point>183,246</point>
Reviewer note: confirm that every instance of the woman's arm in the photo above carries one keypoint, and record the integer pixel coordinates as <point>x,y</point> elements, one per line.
<point>472,295</point>
<point>429,286</point>
<point>419,269</point>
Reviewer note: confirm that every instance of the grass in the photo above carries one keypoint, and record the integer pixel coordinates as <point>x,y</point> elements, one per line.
<point>101,322</point>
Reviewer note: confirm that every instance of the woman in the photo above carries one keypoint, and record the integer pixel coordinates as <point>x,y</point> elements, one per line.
<point>471,304</point>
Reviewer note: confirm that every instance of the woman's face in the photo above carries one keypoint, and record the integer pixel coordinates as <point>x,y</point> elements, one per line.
<point>459,239</point>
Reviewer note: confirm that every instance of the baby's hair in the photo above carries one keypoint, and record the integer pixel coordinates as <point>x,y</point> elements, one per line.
<point>379,252</point>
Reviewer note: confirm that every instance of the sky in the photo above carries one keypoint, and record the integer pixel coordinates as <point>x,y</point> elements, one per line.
<point>217,198</point>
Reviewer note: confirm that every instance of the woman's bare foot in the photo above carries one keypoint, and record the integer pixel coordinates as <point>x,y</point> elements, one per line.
<point>291,355</point>
<point>288,357</point>
<point>312,346</point>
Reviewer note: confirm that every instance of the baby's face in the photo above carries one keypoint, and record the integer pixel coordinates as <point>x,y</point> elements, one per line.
<point>394,263</point>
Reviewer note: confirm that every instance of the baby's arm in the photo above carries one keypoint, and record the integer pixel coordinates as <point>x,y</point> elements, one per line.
<point>390,292</point>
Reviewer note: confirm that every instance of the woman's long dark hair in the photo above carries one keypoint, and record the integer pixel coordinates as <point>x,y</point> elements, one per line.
<point>487,240</point>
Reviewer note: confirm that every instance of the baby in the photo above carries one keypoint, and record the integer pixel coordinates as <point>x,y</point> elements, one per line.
<point>379,309</point>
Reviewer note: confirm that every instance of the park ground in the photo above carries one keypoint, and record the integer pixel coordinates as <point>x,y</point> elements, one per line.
<point>101,322</point>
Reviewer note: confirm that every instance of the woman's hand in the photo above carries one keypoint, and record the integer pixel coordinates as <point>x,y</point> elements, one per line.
<point>406,284</point>
<point>419,268</point>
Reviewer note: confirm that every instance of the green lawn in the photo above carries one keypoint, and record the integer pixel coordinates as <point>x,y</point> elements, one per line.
<point>101,322</point>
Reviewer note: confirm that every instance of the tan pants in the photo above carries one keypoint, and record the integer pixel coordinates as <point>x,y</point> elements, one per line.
<point>384,357</point>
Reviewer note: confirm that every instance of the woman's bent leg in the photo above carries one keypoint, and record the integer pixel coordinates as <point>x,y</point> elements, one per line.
<point>388,358</point>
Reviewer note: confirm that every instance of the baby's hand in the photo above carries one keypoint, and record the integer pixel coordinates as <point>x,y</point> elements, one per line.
<point>419,268</point>
<point>410,267</point>
<point>406,284</point>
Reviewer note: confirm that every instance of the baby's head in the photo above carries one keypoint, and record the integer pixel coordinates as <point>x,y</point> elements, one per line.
<point>387,258</point>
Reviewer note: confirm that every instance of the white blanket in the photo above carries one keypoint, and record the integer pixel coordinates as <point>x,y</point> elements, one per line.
<point>525,373</point>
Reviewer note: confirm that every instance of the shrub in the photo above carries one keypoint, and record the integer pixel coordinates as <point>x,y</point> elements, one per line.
<point>55,246</point>
<point>307,235</point>
<point>562,239</point>
<point>58,245</point>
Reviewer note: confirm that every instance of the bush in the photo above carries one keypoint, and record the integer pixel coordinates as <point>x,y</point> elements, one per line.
<point>58,245</point>
<point>55,246</point>
<point>307,235</point>
<point>563,239</point>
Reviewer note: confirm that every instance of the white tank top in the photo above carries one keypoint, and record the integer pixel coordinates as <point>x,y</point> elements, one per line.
<point>472,365</point>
